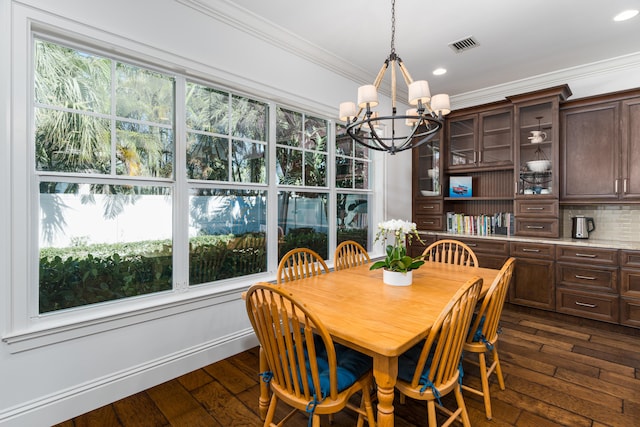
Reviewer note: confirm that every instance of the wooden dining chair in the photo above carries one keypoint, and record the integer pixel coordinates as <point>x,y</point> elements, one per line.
<point>431,369</point>
<point>483,334</point>
<point>300,263</point>
<point>306,369</point>
<point>451,251</point>
<point>350,254</point>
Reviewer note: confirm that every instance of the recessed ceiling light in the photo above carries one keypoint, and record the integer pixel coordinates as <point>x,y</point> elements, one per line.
<point>439,71</point>
<point>627,14</point>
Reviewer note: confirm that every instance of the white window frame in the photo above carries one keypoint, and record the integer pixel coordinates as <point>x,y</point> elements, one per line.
<point>26,329</point>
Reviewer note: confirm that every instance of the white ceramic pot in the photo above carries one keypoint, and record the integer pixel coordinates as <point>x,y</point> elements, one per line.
<point>395,278</point>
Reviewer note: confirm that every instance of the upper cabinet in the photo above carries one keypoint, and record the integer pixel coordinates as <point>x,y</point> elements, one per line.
<point>480,139</point>
<point>600,149</point>
<point>537,141</point>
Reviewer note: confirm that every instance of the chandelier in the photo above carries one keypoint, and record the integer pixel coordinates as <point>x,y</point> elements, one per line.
<point>395,132</point>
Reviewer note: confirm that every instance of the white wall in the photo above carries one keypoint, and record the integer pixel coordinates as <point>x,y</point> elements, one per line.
<point>47,378</point>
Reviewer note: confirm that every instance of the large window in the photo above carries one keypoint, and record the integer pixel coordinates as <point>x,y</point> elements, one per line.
<point>150,182</point>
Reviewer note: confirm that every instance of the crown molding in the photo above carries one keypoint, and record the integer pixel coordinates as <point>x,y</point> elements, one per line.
<point>227,12</point>
<point>542,81</point>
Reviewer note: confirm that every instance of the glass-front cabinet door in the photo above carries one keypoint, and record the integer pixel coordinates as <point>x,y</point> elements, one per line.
<point>427,168</point>
<point>537,147</point>
<point>537,141</point>
<point>462,137</point>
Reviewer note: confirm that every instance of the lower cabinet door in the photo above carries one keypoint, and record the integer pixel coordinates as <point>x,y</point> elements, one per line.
<point>591,305</point>
<point>533,283</point>
<point>630,312</point>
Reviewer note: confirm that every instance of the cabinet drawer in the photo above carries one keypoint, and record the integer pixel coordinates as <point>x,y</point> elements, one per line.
<point>590,305</point>
<point>630,282</point>
<point>604,279</point>
<point>486,246</point>
<point>538,227</point>
<point>537,208</point>
<point>415,247</point>
<point>591,256</point>
<point>491,261</point>
<point>630,312</point>
<point>428,207</point>
<point>630,259</point>
<point>532,250</point>
<point>429,222</point>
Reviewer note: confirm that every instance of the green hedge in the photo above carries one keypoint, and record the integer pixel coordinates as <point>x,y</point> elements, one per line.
<point>89,274</point>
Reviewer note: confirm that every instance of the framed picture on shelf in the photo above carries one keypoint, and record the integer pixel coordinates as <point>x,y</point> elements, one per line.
<point>460,186</point>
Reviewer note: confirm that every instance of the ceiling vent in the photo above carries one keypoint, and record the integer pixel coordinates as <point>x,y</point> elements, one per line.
<point>464,44</point>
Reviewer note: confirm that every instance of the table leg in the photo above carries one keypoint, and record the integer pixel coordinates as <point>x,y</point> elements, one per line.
<point>263,400</point>
<point>385,372</point>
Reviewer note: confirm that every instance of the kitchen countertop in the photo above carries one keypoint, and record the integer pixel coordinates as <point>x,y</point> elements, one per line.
<point>595,243</point>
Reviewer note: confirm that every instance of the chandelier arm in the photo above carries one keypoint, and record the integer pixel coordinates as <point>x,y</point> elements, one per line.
<point>380,75</point>
<point>393,86</point>
<point>405,73</point>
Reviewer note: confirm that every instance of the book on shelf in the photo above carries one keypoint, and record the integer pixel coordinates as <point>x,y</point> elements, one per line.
<point>501,223</point>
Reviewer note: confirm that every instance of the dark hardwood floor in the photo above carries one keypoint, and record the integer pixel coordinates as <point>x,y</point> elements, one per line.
<point>559,370</point>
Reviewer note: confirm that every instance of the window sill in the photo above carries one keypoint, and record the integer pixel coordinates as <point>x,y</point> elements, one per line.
<point>114,316</point>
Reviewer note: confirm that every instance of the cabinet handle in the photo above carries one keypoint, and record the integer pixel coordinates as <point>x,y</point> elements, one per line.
<point>578,276</point>
<point>472,244</point>
<point>586,255</point>
<point>530,250</point>
<point>538,208</point>
<point>624,186</point>
<point>616,187</point>
<point>428,207</point>
<point>428,222</point>
<point>479,156</point>
<point>474,157</point>
<point>515,187</point>
<point>584,304</point>
<point>535,227</point>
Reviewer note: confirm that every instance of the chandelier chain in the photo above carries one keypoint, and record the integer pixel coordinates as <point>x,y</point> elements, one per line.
<point>393,27</point>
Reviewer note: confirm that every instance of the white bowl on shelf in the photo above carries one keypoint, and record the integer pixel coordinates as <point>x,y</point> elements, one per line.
<point>427,193</point>
<point>539,165</point>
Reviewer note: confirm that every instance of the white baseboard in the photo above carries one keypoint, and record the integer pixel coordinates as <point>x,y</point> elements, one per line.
<point>66,404</point>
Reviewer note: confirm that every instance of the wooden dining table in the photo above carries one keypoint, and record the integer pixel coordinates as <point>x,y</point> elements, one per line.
<point>382,321</point>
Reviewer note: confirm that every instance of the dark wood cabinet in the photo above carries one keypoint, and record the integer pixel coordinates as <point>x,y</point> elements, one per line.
<point>536,190</point>
<point>600,148</point>
<point>427,189</point>
<point>534,275</point>
<point>630,110</point>
<point>590,152</point>
<point>630,288</point>
<point>491,253</point>
<point>416,247</point>
<point>587,282</point>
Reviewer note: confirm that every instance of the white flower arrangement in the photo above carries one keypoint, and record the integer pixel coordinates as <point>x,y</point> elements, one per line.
<point>397,258</point>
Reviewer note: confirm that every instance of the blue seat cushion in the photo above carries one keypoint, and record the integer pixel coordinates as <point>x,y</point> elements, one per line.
<point>477,335</point>
<point>408,362</point>
<point>351,365</point>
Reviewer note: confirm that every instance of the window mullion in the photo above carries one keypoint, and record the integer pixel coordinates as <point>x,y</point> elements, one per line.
<point>181,191</point>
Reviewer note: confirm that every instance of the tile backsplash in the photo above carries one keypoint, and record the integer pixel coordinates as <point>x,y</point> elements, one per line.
<point>613,222</point>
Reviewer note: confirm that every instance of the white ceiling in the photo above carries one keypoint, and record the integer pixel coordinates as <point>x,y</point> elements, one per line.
<point>517,39</point>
